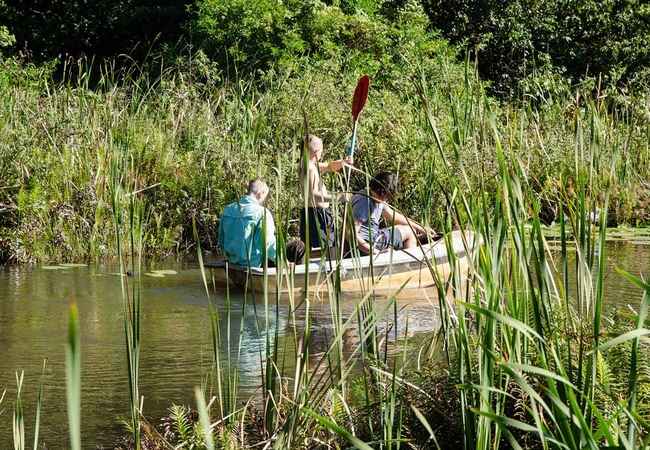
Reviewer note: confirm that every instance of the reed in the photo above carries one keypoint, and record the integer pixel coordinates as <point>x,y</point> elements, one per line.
<point>73,378</point>
<point>204,419</point>
<point>196,136</point>
<point>503,342</point>
<point>18,419</point>
<point>39,401</point>
<point>128,213</point>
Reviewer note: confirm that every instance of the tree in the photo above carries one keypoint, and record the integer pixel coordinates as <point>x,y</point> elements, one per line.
<point>47,29</point>
<point>607,38</point>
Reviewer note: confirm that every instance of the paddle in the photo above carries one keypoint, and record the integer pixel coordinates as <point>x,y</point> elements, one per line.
<point>358,102</point>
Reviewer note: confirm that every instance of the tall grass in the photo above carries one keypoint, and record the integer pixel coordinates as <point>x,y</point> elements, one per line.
<point>18,422</point>
<point>196,140</point>
<point>526,346</point>
<point>523,339</point>
<point>73,378</point>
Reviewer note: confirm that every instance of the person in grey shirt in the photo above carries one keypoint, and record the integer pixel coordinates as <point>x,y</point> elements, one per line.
<point>370,205</point>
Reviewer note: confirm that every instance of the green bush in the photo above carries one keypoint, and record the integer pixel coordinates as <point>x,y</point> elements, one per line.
<point>587,38</point>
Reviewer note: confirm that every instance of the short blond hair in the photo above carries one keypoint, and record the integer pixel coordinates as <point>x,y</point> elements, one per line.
<point>315,143</point>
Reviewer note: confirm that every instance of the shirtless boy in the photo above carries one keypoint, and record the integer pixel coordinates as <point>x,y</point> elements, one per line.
<point>321,224</point>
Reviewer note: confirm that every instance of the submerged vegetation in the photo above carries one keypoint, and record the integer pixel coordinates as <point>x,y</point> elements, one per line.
<point>98,154</point>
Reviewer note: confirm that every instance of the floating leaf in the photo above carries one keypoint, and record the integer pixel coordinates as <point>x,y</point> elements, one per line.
<point>155,274</point>
<point>52,267</point>
<point>165,272</point>
<point>73,265</point>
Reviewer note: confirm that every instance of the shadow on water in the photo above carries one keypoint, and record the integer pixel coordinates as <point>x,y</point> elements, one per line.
<point>176,347</point>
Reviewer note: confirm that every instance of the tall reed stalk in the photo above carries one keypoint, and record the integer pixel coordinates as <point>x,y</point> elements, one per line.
<point>18,421</point>
<point>73,378</point>
<point>128,212</point>
<point>18,418</point>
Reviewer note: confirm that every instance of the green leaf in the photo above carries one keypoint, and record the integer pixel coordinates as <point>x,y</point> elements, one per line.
<point>358,443</point>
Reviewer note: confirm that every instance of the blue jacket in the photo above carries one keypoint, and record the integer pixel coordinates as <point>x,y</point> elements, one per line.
<point>242,228</point>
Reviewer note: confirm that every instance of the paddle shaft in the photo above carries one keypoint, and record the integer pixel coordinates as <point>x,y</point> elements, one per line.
<point>351,152</point>
<point>358,102</point>
<point>354,136</point>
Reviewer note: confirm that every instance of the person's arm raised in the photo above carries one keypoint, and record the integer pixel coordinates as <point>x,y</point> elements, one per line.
<point>335,166</point>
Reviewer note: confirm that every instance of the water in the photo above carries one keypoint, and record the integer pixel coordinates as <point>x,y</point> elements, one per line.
<point>176,344</point>
<point>34,312</point>
<point>176,347</point>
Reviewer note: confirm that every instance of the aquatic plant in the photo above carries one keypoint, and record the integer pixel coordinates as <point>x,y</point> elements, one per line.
<point>73,378</point>
<point>196,137</point>
<point>128,209</point>
<point>503,342</point>
<point>18,422</point>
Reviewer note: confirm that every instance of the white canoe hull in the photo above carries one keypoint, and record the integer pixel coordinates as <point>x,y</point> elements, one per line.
<point>415,268</point>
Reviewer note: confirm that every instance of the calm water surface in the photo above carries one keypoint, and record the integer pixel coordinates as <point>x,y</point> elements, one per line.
<point>34,311</point>
<point>176,340</point>
<point>176,344</point>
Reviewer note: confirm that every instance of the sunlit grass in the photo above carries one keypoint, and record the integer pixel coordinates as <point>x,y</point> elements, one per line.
<point>195,142</point>
<point>127,208</point>
<point>503,343</point>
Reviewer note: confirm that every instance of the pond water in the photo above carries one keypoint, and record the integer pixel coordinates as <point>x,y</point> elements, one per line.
<point>176,345</point>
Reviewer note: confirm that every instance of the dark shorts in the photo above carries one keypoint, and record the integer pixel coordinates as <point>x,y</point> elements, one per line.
<point>321,227</point>
<point>295,253</point>
<point>389,237</point>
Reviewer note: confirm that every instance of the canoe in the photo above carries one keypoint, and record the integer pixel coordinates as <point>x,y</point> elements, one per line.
<point>413,268</point>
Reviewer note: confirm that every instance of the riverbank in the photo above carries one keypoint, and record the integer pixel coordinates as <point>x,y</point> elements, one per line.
<point>186,145</point>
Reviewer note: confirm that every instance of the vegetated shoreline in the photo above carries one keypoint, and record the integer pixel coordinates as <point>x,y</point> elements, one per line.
<point>189,144</point>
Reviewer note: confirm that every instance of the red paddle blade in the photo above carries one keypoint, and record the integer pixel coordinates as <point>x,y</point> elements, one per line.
<point>360,96</point>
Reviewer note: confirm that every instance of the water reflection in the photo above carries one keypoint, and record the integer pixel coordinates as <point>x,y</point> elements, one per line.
<point>34,307</point>
<point>176,338</point>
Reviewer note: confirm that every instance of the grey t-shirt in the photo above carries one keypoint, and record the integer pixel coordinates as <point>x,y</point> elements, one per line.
<point>364,207</point>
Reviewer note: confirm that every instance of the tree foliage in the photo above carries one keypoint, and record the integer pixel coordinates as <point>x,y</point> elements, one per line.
<point>48,29</point>
<point>607,39</point>
<point>380,36</point>
<point>579,38</point>
<point>6,39</point>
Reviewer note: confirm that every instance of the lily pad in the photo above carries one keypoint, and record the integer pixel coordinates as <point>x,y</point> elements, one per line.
<point>165,272</point>
<point>155,274</point>
<point>73,265</point>
<point>52,267</point>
